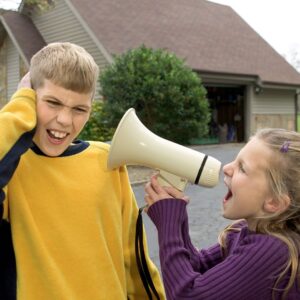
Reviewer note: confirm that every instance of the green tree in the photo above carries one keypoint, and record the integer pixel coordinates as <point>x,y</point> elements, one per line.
<point>167,95</point>
<point>38,5</point>
<point>96,129</point>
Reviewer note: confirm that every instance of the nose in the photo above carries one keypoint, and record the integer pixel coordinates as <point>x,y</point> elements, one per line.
<point>64,116</point>
<point>228,169</point>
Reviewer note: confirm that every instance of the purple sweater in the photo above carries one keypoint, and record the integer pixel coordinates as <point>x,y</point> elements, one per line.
<point>248,272</point>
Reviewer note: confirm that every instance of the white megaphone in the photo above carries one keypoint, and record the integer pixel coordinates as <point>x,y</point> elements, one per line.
<point>134,144</point>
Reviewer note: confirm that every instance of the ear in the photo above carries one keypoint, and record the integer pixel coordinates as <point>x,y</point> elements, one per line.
<point>273,205</point>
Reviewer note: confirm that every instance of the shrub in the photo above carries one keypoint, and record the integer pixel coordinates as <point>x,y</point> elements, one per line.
<point>96,128</point>
<point>167,95</point>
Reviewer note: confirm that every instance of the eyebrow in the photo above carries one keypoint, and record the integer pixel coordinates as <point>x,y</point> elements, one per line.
<point>48,97</point>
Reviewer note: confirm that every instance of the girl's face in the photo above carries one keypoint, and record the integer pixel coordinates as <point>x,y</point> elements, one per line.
<point>247,182</point>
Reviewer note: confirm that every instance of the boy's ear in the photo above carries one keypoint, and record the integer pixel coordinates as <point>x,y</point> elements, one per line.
<point>273,205</point>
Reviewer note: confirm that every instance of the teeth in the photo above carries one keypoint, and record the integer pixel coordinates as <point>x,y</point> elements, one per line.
<point>58,135</point>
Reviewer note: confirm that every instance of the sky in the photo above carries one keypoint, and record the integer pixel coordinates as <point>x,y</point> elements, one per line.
<point>9,4</point>
<point>277,21</point>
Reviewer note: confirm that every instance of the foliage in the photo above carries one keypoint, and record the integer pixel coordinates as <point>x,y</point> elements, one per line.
<point>39,5</point>
<point>96,128</point>
<point>168,97</point>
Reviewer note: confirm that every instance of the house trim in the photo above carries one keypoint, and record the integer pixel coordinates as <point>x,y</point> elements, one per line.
<point>90,32</point>
<point>15,42</point>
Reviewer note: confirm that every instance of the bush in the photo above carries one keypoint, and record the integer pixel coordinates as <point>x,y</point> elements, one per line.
<point>168,97</point>
<point>97,129</point>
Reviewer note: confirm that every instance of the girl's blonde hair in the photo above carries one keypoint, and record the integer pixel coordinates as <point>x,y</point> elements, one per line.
<point>284,180</point>
<point>65,64</point>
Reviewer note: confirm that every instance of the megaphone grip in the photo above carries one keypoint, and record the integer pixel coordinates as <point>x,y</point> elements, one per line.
<point>201,169</point>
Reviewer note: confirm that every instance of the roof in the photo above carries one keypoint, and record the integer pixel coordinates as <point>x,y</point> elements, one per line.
<point>23,33</point>
<point>210,37</point>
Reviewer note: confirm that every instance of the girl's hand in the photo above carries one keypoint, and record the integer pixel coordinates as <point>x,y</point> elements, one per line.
<point>25,82</point>
<point>155,192</point>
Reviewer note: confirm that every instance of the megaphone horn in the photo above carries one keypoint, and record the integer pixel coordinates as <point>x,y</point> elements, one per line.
<point>134,144</point>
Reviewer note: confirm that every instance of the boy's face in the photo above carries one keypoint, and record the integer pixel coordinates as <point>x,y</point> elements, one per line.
<point>61,115</point>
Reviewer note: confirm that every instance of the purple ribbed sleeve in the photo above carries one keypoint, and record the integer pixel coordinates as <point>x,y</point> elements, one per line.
<point>248,272</point>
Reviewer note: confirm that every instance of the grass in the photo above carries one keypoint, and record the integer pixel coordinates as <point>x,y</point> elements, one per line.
<point>298,123</point>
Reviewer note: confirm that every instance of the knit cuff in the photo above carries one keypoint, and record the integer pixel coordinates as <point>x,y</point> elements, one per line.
<point>168,216</point>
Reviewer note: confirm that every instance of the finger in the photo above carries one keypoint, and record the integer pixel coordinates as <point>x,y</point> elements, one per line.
<point>149,190</point>
<point>147,199</point>
<point>152,195</point>
<point>174,192</point>
<point>25,81</point>
<point>148,202</point>
<point>186,199</point>
<point>155,185</point>
<point>155,193</point>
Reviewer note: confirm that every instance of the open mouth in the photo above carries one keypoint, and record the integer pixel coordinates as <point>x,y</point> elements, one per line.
<point>57,135</point>
<point>228,196</point>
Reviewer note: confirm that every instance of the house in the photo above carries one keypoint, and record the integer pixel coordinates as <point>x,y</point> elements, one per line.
<point>249,85</point>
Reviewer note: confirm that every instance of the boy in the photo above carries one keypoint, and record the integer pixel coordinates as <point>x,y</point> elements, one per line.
<point>72,221</point>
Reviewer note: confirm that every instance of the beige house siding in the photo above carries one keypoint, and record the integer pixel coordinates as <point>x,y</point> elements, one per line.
<point>59,24</point>
<point>274,121</point>
<point>273,108</point>
<point>274,101</point>
<point>13,68</point>
<point>3,68</point>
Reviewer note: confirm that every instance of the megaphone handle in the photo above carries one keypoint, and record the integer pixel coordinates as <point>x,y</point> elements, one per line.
<point>168,179</point>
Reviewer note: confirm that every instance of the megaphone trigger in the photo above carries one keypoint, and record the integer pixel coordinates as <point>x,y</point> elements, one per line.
<point>167,179</point>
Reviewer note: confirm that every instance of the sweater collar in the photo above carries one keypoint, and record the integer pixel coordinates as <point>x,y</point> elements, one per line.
<point>76,147</point>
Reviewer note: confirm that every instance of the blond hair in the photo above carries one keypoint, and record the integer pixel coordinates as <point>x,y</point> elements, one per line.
<point>65,64</point>
<point>284,180</point>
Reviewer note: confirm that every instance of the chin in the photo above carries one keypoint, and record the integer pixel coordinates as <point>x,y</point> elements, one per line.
<point>50,154</point>
<point>228,217</point>
<point>53,151</point>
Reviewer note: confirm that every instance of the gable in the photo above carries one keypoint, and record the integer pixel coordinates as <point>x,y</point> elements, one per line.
<point>211,37</point>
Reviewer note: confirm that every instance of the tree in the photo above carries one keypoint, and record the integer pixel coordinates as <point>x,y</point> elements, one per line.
<point>96,129</point>
<point>38,6</point>
<point>293,57</point>
<point>167,95</point>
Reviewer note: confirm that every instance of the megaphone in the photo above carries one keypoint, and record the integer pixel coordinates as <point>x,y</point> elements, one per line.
<point>134,144</point>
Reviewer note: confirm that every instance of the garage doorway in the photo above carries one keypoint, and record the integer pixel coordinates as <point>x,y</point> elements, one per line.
<point>227,114</point>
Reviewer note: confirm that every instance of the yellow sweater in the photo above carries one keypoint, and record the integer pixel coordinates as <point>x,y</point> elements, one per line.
<point>72,220</point>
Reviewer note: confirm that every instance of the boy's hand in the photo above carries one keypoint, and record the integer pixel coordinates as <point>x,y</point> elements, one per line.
<point>25,82</point>
<point>155,192</point>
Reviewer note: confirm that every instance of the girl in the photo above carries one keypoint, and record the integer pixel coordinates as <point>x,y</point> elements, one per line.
<point>257,257</point>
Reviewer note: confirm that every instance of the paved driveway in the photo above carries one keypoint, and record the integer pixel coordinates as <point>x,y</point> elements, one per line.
<point>205,207</point>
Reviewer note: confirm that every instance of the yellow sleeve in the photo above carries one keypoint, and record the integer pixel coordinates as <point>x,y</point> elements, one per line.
<point>135,286</point>
<point>17,124</point>
<point>16,118</point>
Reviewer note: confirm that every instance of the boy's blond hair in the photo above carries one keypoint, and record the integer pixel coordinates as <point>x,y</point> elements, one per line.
<point>64,64</point>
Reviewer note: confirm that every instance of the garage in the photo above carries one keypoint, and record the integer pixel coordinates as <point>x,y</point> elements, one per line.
<point>227,114</point>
